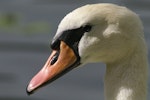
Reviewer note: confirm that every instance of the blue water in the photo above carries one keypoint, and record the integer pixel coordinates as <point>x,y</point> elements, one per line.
<point>23,54</point>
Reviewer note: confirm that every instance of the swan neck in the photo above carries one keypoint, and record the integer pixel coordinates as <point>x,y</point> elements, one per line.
<point>127,79</point>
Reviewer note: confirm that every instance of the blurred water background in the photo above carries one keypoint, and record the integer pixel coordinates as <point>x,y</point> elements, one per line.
<point>26,29</point>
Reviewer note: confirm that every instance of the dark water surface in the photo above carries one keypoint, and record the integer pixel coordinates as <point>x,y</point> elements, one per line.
<point>23,53</point>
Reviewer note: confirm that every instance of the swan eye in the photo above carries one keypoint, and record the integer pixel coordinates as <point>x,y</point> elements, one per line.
<point>87,28</point>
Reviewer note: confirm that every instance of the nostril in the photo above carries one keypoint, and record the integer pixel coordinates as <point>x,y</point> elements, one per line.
<point>55,44</point>
<point>54,58</point>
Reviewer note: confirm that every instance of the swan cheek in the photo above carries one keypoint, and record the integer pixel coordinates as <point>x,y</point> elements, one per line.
<point>87,49</point>
<point>83,52</point>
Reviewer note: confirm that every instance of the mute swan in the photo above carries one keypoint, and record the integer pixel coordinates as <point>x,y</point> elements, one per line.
<point>100,33</point>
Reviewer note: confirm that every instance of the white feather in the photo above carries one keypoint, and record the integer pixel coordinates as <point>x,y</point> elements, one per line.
<point>116,39</point>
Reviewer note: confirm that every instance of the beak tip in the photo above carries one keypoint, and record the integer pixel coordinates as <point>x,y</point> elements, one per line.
<point>29,91</point>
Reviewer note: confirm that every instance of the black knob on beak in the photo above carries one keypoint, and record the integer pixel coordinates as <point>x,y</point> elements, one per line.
<point>55,44</point>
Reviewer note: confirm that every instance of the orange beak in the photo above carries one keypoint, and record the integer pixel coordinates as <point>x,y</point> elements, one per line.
<point>54,67</point>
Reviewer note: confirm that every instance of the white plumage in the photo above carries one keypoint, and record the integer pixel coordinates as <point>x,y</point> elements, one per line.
<point>117,39</point>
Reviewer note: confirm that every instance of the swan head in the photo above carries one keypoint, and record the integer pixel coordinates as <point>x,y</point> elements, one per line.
<point>92,33</point>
